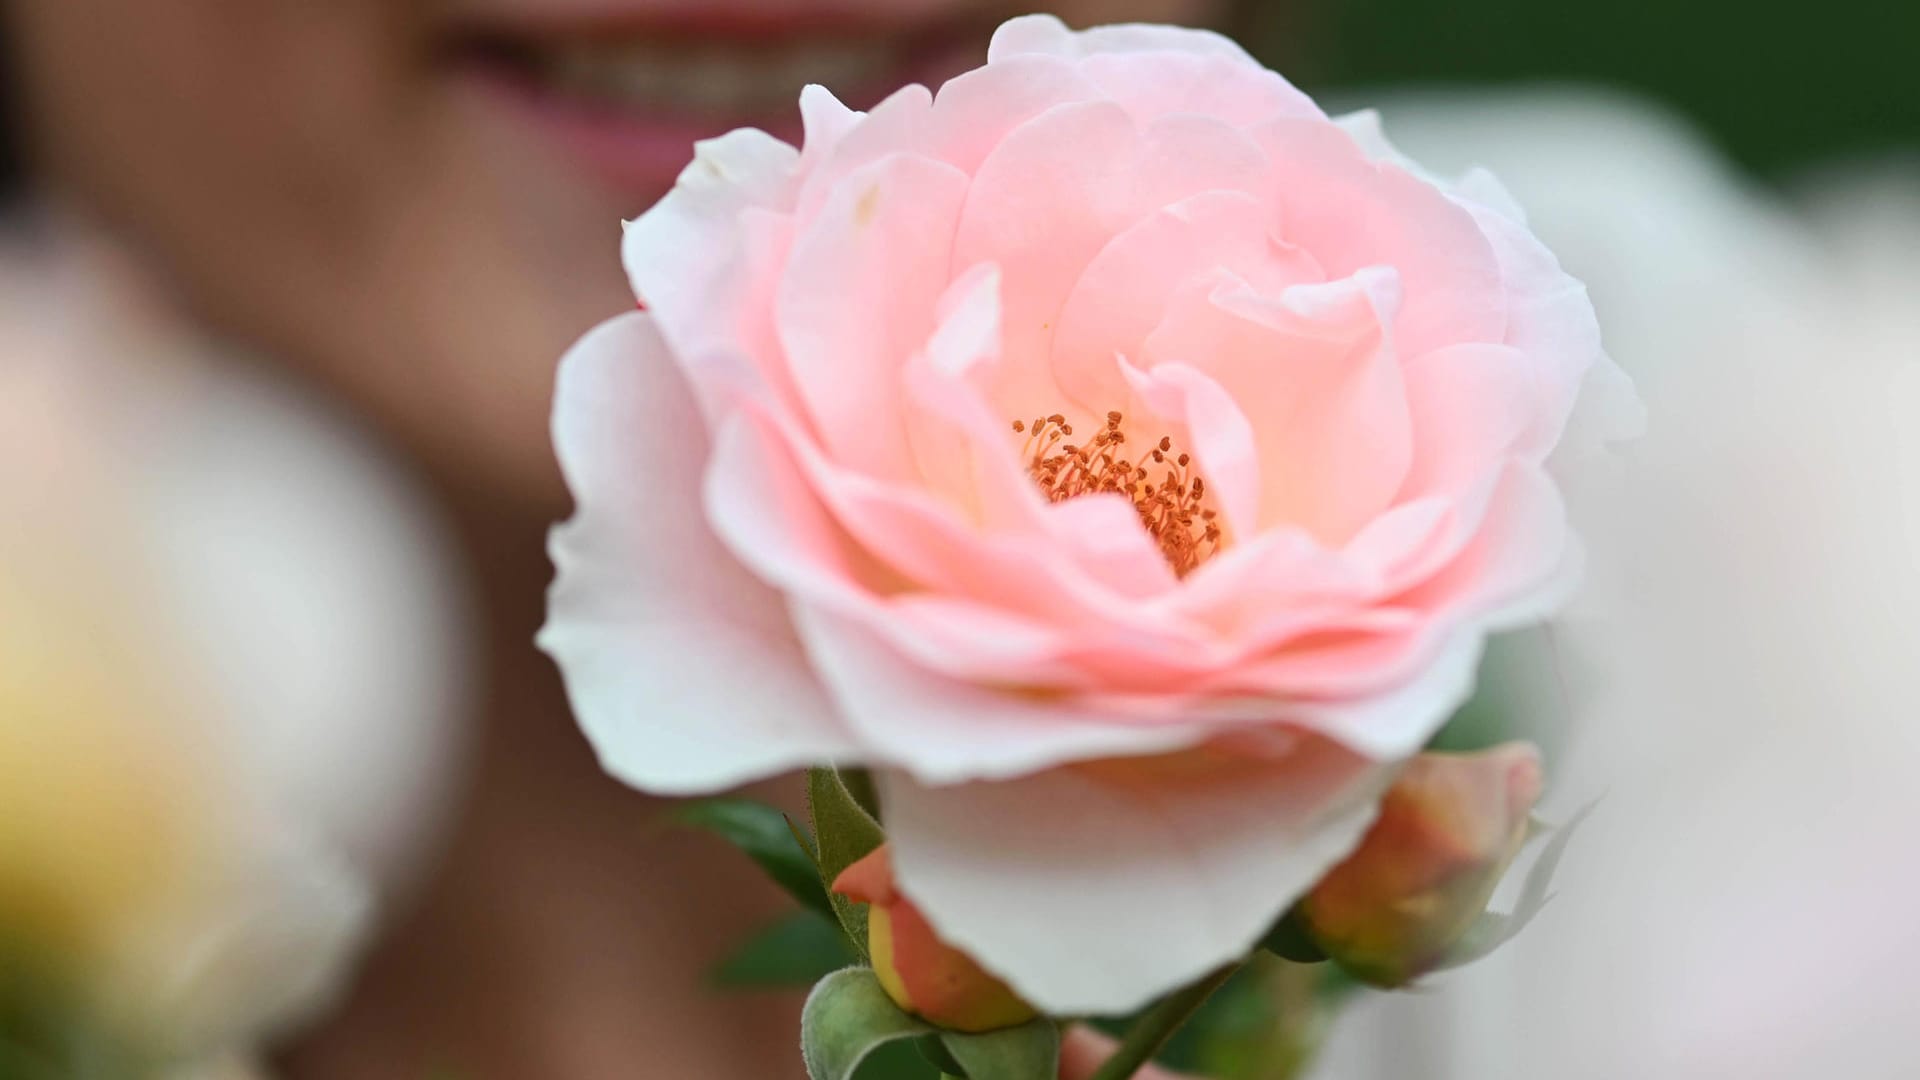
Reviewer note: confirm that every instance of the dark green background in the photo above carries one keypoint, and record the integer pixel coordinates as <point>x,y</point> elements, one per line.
<point>1778,85</point>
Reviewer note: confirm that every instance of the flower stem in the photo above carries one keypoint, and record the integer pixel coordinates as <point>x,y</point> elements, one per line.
<point>1158,1024</point>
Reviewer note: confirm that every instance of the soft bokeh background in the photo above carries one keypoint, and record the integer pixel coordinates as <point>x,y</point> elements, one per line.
<point>333,775</point>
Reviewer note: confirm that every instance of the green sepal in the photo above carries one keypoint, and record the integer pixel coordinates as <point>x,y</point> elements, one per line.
<point>769,839</point>
<point>859,784</point>
<point>1028,1052</point>
<point>935,1053</point>
<point>1494,929</point>
<point>846,833</point>
<point>1289,940</point>
<point>797,950</point>
<point>847,1017</point>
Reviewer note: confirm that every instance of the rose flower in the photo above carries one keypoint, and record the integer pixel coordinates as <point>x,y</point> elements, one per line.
<point>1122,458</point>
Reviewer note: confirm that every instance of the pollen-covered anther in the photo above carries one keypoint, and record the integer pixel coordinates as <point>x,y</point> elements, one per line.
<point>1170,500</point>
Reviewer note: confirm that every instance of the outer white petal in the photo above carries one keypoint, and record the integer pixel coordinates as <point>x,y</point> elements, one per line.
<point>677,253</point>
<point>682,668</point>
<point>1095,888</point>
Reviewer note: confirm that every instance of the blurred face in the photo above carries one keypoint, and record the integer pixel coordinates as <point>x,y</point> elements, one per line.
<point>418,201</point>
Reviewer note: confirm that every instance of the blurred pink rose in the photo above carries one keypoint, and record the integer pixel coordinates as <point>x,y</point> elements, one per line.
<point>1116,405</point>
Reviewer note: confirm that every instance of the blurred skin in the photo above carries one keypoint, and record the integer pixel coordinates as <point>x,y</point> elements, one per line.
<point>414,205</point>
<point>348,184</point>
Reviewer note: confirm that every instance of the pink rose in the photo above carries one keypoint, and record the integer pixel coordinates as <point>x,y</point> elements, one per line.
<point>1131,689</point>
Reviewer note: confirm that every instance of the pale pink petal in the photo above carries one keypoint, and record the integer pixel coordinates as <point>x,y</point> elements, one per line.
<point>859,296</point>
<point>1227,88</point>
<point>1123,293</point>
<point>967,453</point>
<point>1314,370</point>
<point>650,619</point>
<point>851,545</point>
<point>898,125</point>
<point>974,111</point>
<point>1278,572</point>
<point>1353,213</point>
<point>826,121</point>
<point>944,424</point>
<point>679,254</point>
<point>1396,721</point>
<point>945,730</point>
<point>1119,173</point>
<point>1550,319</point>
<point>1091,889</point>
<point>1206,421</point>
<point>1103,535</point>
<point>1515,565</point>
<point>1048,36</point>
<point>1365,128</point>
<point>1521,563</point>
<point>1472,407</point>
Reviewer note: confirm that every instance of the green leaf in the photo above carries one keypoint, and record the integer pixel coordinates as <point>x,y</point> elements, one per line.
<point>1288,940</point>
<point>1494,929</point>
<point>1028,1052</point>
<point>765,834</point>
<point>846,1018</point>
<point>846,833</point>
<point>798,950</point>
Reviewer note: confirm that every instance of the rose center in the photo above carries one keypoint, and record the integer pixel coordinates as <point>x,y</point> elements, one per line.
<point>1166,492</point>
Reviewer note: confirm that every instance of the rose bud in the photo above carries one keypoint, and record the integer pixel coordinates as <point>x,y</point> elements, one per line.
<point>922,974</point>
<point>1447,830</point>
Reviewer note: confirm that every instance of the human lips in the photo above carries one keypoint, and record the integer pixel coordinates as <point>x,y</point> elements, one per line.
<point>630,92</point>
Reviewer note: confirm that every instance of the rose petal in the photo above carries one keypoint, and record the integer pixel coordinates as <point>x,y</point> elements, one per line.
<point>1227,88</point>
<point>650,619</point>
<point>896,126</point>
<point>853,546</point>
<point>1123,293</point>
<point>680,256</point>
<point>858,296</point>
<point>1314,370</point>
<point>1206,419</point>
<point>1091,889</point>
<point>1120,173</point>
<point>946,731</point>
<point>975,111</point>
<point>1048,36</point>
<point>1472,406</point>
<point>1352,213</point>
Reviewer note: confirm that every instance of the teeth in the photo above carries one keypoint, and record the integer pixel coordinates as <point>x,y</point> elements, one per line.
<point>711,78</point>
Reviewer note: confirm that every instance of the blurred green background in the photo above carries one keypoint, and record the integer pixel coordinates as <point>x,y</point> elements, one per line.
<point>1778,85</point>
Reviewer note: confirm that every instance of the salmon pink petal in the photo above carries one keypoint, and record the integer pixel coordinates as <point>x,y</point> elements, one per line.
<point>650,618</point>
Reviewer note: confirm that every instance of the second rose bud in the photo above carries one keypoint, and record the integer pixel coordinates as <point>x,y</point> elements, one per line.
<point>922,974</point>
